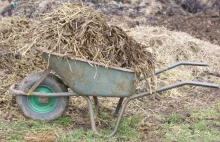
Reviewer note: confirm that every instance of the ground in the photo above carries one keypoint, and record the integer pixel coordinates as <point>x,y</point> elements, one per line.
<point>185,114</point>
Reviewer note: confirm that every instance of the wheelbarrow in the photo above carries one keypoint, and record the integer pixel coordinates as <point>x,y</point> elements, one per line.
<point>45,96</point>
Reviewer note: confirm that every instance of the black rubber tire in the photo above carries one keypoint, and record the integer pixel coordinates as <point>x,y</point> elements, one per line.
<point>51,81</point>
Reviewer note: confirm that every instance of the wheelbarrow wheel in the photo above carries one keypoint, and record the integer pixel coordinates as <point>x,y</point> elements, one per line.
<point>42,108</point>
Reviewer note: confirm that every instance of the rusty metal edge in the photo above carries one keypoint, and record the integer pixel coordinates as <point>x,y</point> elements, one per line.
<point>87,61</point>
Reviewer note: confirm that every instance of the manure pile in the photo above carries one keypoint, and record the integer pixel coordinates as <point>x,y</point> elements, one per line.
<point>78,31</point>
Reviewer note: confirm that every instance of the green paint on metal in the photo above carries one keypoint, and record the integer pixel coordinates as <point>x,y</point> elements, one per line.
<point>42,107</point>
<point>14,4</point>
<point>95,80</point>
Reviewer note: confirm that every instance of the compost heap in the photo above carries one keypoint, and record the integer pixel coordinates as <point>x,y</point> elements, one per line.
<point>14,67</point>
<point>81,32</point>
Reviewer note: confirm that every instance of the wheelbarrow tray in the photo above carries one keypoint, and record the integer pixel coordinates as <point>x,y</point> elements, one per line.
<point>91,78</point>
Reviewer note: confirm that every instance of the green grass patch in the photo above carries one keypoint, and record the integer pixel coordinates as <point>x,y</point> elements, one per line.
<point>194,128</point>
<point>186,133</point>
<point>63,130</point>
<point>174,118</point>
<point>64,121</point>
<point>204,113</point>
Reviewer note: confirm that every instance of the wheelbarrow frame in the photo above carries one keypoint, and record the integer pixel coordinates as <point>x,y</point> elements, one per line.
<point>122,103</point>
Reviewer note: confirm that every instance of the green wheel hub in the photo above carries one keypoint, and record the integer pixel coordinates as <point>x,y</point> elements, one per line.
<point>37,105</point>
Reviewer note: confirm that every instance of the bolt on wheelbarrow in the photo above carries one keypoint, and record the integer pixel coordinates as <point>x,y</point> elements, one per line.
<point>44,96</point>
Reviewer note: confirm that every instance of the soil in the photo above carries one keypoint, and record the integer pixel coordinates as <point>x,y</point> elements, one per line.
<point>204,25</point>
<point>201,18</point>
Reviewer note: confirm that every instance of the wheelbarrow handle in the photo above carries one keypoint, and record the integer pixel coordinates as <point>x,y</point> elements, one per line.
<point>194,83</point>
<point>181,63</point>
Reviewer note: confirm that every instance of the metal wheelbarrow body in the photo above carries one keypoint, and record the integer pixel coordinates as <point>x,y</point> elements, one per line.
<point>87,78</point>
<point>92,79</point>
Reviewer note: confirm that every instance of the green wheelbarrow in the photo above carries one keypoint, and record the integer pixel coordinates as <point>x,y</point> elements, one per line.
<point>44,96</point>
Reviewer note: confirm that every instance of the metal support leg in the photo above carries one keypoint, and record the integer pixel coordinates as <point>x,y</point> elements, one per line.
<point>118,106</point>
<point>44,75</point>
<point>92,119</point>
<point>96,102</point>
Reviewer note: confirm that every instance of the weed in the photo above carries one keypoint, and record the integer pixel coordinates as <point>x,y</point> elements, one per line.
<point>174,118</point>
